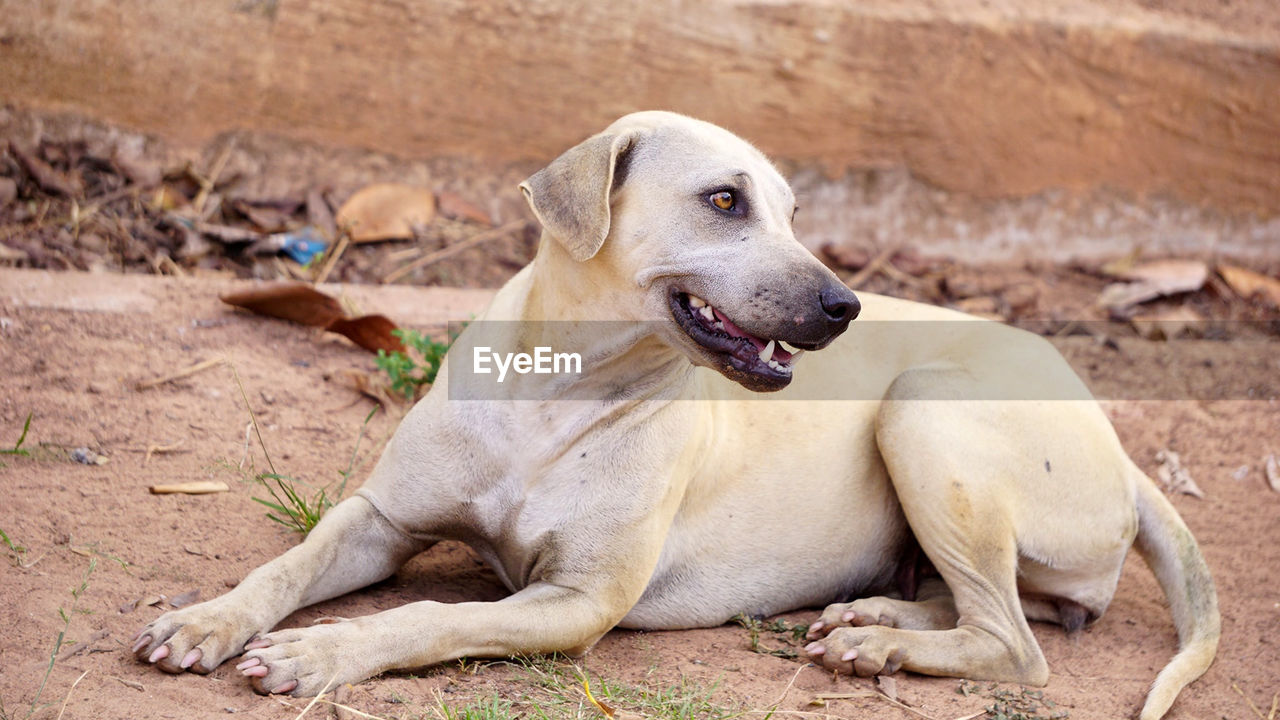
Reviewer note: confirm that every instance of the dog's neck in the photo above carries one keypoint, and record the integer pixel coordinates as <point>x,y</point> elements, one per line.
<point>571,306</point>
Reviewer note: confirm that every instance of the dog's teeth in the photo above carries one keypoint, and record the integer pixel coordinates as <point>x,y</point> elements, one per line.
<point>696,302</point>
<point>708,313</point>
<point>788,347</point>
<point>766,353</point>
<point>719,326</point>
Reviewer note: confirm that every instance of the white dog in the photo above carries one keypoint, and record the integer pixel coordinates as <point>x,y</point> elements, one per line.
<point>657,488</point>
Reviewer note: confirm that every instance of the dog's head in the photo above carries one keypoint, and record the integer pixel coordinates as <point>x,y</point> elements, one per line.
<point>695,226</point>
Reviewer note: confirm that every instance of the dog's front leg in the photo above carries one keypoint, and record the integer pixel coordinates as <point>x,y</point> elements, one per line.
<point>352,546</point>
<point>542,618</point>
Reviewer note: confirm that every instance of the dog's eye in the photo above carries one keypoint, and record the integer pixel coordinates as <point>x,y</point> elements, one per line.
<point>723,200</point>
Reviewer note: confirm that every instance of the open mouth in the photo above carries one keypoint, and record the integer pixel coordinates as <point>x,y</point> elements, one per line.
<point>761,362</point>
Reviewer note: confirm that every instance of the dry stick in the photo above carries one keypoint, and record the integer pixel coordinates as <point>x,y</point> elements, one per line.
<point>872,267</point>
<point>158,449</point>
<point>207,185</point>
<point>68,697</point>
<point>353,711</point>
<point>344,241</point>
<point>1275,705</point>
<point>316,699</point>
<point>198,367</point>
<point>454,249</point>
<point>1252,707</point>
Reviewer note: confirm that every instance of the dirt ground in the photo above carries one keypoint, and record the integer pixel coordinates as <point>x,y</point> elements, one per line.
<point>75,346</point>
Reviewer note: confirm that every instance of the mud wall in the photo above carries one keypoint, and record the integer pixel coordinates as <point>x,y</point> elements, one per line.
<point>987,99</point>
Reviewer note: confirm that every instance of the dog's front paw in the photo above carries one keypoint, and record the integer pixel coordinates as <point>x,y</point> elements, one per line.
<point>864,651</point>
<point>305,662</point>
<point>197,638</point>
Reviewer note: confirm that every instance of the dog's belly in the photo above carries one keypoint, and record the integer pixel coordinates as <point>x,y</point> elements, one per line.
<point>792,508</point>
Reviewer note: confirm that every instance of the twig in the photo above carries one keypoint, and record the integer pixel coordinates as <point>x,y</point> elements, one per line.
<point>787,689</point>
<point>198,367</point>
<point>454,249</point>
<point>872,267</point>
<point>316,699</point>
<point>129,683</point>
<point>331,259</point>
<point>157,449</point>
<point>67,699</point>
<point>352,710</point>
<point>207,185</point>
<point>1253,707</point>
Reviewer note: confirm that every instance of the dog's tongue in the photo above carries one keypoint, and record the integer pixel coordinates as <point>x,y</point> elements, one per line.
<point>736,331</point>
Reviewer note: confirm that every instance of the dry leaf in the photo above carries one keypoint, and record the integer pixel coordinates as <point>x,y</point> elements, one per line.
<point>298,302</point>
<point>371,332</point>
<point>887,685</point>
<point>1272,470</point>
<point>1174,476</point>
<point>1154,279</point>
<point>1247,283</point>
<point>848,257</point>
<point>1166,324</point>
<point>389,211</point>
<point>185,598</point>
<point>196,487</point>
<point>452,205</point>
<point>49,180</point>
<point>151,600</point>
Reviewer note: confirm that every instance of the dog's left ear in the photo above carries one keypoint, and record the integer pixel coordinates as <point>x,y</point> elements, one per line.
<point>570,196</point>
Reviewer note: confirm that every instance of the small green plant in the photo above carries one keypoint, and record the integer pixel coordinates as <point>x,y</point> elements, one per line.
<point>17,447</point>
<point>292,508</point>
<point>66,616</point>
<point>791,635</point>
<point>408,374</point>
<point>19,552</point>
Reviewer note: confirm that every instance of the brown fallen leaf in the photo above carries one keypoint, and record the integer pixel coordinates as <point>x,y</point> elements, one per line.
<point>1174,476</point>
<point>185,599</point>
<point>371,332</point>
<point>8,191</point>
<point>1154,279</point>
<point>1166,324</point>
<point>298,302</point>
<point>195,487</point>
<point>1247,283</point>
<point>887,685</point>
<point>42,173</point>
<point>387,211</point>
<point>303,304</point>
<point>454,206</point>
<point>848,257</point>
<point>150,600</point>
<point>1271,468</point>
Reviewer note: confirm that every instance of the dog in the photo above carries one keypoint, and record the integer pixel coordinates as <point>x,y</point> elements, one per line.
<point>954,475</point>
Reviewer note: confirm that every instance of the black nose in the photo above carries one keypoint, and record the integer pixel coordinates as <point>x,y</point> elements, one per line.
<point>839,303</point>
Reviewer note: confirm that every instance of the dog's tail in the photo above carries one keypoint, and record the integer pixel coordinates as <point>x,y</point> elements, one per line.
<point>1168,547</point>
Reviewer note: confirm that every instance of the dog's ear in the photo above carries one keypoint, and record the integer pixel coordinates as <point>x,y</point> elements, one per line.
<point>570,197</point>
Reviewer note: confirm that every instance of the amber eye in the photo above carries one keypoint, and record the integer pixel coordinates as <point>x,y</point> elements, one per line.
<point>723,200</point>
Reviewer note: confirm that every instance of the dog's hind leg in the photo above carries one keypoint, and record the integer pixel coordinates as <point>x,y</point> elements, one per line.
<point>956,505</point>
<point>352,546</point>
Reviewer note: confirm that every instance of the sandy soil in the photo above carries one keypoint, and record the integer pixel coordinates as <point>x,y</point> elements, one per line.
<point>74,346</point>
